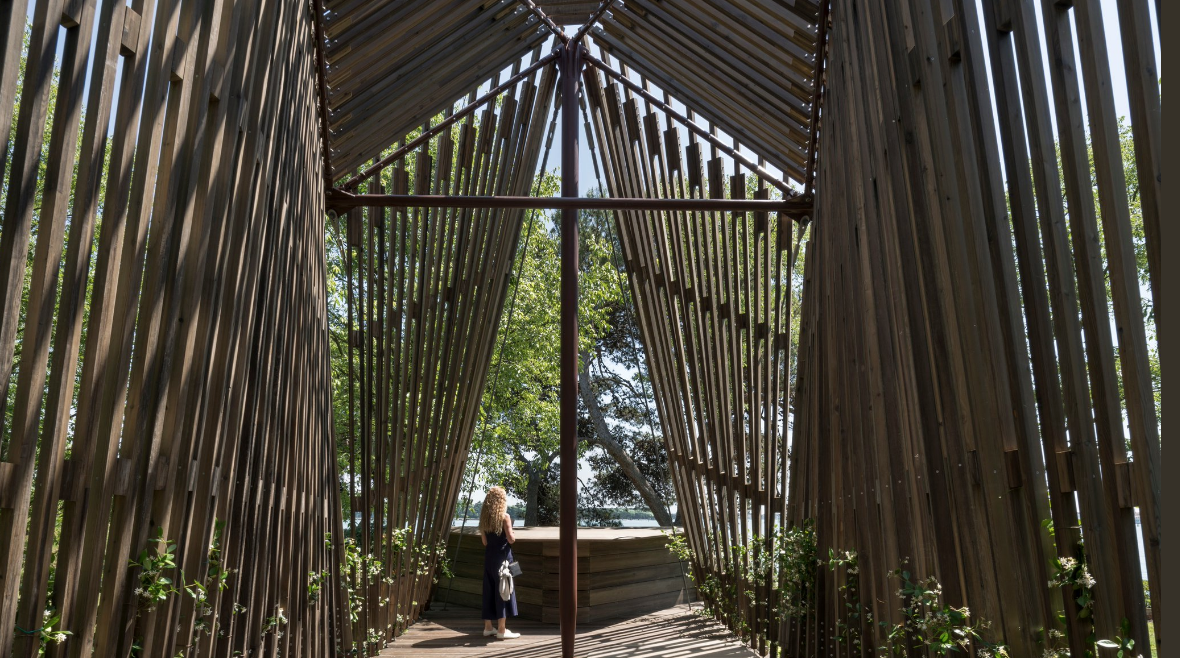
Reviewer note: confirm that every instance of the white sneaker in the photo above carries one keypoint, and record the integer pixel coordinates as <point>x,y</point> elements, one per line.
<point>507,635</point>
<point>489,633</point>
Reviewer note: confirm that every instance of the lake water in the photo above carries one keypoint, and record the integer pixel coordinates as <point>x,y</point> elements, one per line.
<point>519,523</point>
<point>650,523</point>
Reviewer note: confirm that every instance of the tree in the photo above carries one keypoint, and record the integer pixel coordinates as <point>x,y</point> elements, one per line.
<point>520,442</point>
<point>616,408</point>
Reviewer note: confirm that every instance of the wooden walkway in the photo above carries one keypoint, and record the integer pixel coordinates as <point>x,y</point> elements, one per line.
<point>671,633</point>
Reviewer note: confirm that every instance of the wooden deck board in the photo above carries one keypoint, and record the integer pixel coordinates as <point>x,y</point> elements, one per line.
<point>671,633</point>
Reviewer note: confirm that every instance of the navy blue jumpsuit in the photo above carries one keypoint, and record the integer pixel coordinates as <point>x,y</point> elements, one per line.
<point>498,550</point>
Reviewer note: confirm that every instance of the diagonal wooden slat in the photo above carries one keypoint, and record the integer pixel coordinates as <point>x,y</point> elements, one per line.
<point>426,288</point>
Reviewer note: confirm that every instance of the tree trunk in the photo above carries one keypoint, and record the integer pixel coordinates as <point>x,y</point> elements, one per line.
<point>606,441</point>
<point>532,512</point>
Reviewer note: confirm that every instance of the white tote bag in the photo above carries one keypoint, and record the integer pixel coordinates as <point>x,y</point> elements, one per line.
<point>506,584</point>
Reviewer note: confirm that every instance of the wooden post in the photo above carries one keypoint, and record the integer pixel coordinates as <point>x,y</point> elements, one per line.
<point>570,65</point>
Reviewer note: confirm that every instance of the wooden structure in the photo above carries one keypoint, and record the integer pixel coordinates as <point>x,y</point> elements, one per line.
<point>622,573</point>
<point>172,184</point>
<point>958,373</point>
<point>163,351</point>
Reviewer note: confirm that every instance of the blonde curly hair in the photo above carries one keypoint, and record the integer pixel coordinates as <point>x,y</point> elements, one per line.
<point>495,505</point>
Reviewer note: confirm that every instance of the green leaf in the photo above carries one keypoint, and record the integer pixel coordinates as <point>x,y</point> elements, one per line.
<point>1107,644</point>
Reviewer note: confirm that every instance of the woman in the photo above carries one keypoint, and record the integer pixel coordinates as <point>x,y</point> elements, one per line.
<point>495,530</point>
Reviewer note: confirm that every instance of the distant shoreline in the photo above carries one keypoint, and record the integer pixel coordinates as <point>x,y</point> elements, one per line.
<point>517,513</point>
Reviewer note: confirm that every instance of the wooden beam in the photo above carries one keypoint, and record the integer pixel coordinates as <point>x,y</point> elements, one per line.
<point>426,136</point>
<point>598,64</point>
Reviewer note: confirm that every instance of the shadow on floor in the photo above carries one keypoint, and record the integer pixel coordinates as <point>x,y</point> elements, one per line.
<point>673,633</point>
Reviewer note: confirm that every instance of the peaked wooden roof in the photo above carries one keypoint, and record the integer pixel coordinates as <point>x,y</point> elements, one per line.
<point>748,66</point>
<point>393,65</point>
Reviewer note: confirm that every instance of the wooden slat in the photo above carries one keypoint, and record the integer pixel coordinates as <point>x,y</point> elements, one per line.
<point>158,323</point>
<point>941,295</point>
<point>621,573</point>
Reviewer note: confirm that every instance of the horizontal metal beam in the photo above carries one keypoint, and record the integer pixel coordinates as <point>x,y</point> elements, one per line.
<point>340,201</point>
<point>401,152</point>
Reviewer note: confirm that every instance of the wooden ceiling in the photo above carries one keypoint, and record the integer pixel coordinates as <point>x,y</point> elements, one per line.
<point>393,65</point>
<point>747,67</point>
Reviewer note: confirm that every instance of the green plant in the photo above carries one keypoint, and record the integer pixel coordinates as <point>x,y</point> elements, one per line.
<point>275,623</point>
<point>1054,642</point>
<point>375,638</point>
<point>315,584</point>
<point>428,555</point>
<point>1073,573</point>
<point>200,596</point>
<point>782,566</point>
<point>154,586</point>
<point>719,597</point>
<point>46,635</point>
<point>932,624</point>
<point>217,576</point>
<point>1121,642</point>
<point>216,579</point>
<point>848,629</point>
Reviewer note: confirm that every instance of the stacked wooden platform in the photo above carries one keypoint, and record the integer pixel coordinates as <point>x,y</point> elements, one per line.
<point>622,573</point>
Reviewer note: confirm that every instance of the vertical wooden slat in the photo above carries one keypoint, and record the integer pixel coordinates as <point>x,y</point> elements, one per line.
<point>163,317</point>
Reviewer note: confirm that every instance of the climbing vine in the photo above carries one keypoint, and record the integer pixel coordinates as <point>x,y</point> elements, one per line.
<point>786,564</point>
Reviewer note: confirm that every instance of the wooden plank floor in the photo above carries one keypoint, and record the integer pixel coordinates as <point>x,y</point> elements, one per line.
<point>672,633</point>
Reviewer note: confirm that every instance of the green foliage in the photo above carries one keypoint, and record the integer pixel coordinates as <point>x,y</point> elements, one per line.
<point>786,563</point>
<point>848,628</point>
<point>315,584</point>
<point>1139,242</point>
<point>720,599</point>
<point>521,410</point>
<point>597,517</point>
<point>1123,643</point>
<point>158,559</point>
<point>1072,572</point>
<point>217,576</point>
<point>932,624</point>
<point>46,635</point>
<point>275,623</point>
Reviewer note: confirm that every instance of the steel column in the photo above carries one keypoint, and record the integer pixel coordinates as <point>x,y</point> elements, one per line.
<point>568,582</point>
